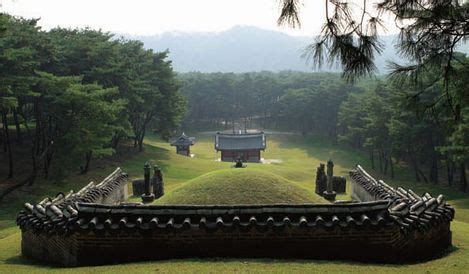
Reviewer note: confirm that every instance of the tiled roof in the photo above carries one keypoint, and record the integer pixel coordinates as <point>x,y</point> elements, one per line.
<point>408,209</point>
<point>107,217</point>
<point>240,141</point>
<point>183,140</point>
<point>101,217</point>
<point>57,213</point>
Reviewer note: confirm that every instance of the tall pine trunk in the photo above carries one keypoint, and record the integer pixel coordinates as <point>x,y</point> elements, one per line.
<point>8,144</point>
<point>415,166</point>
<point>463,179</point>
<point>385,157</point>
<point>32,178</point>
<point>380,157</point>
<point>4,141</point>
<point>88,156</point>
<point>19,137</point>
<point>115,141</point>
<point>48,160</point>
<point>450,171</point>
<point>140,141</point>
<point>391,166</point>
<point>434,171</point>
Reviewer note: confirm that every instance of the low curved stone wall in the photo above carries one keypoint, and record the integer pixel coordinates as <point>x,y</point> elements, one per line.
<point>74,231</point>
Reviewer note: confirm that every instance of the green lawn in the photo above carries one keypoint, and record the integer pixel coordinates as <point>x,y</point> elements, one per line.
<point>294,161</point>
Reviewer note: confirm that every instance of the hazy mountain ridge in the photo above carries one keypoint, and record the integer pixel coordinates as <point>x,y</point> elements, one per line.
<point>244,49</point>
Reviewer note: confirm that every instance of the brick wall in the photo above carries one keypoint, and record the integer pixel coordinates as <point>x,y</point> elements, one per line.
<point>85,244</point>
<point>366,244</point>
<point>385,244</point>
<point>62,249</point>
<point>57,249</point>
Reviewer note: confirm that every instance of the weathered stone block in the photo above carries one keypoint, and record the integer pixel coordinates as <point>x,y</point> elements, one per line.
<point>338,184</point>
<point>138,187</point>
<point>157,183</point>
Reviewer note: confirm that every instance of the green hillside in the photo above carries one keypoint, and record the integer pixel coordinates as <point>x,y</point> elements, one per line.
<point>239,186</point>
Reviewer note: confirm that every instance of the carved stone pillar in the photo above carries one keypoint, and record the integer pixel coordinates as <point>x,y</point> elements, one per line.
<point>158,184</point>
<point>148,197</point>
<point>329,194</point>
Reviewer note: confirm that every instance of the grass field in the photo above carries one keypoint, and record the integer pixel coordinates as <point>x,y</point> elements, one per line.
<point>294,160</point>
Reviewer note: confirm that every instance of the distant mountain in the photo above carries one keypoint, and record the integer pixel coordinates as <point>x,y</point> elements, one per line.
<point>243,49</point>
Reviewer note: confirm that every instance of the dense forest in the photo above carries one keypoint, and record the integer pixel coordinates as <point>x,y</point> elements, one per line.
<point>388,119</point>
<point>306,102</point>
<point>69,96</point>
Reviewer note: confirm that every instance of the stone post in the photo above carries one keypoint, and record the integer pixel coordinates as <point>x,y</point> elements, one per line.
<point>148,197</point>
<point>321,179</point>
<point>154,181</point>
<point>329,194</point>
<point>158,184</point>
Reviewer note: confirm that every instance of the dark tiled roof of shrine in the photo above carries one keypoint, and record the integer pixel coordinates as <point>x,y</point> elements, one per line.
<point>183,140</point>
<point>406,208</point>
<point>242,141</point>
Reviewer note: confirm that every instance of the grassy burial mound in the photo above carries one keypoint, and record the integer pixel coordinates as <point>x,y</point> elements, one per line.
<point>240,186</point>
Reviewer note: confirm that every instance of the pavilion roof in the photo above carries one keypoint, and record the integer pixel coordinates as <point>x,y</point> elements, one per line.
<point>242,141</point>
<point>183,140</point>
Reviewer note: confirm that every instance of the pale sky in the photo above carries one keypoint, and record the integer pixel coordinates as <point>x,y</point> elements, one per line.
<point>145,17</point>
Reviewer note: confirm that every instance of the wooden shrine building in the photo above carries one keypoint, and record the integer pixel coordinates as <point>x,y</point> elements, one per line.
<point>245,146</point>
<point>183,144</point>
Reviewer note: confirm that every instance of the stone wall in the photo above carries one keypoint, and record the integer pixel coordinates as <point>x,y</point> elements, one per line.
<point>385,244</point>
<point>388,225</point>
<point>291,242</point>
<point>41,240</point>
<point>52,248</point>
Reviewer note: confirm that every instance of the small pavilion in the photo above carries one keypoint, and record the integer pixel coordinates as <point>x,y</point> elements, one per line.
<point>244,146</point>
<point>183,144</point>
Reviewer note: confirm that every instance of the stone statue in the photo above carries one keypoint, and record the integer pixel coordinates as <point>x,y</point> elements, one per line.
<point>158,184</point>
<point>330,173</point>
<point>147,197</point>
<point>321,179</point>
<point>329,194</point>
